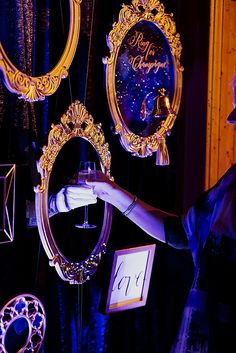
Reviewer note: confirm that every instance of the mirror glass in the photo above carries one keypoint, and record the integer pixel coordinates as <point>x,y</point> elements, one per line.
<point>74,243</point>
<point>17,335</point>
<point>50,26</point>
<point>144,65</point>
<point>144,78</point>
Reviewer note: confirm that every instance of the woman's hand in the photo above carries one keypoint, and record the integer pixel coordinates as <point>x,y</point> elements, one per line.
<point>71,197</point>
<point>103,187</point>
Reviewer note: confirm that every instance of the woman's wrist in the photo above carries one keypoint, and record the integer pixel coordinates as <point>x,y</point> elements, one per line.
<point>123,200</point>
<point>131,206</point>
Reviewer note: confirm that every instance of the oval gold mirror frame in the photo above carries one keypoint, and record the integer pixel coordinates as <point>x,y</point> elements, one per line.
<point>151,12</point>
<point>33,89</point>
<point>76,122</point>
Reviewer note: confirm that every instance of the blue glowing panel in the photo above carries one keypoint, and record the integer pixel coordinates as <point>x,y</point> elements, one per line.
<point>144,65</point>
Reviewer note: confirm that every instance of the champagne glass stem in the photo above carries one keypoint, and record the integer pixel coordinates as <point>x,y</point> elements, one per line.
<point>86,214</point>
<point>86,169</point>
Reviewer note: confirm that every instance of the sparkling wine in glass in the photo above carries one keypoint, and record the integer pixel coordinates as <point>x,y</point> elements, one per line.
<point>87,170</point>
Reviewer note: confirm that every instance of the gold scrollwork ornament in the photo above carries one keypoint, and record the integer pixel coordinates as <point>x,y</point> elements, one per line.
<point>149,12</point>
<point>33,89</point>
<point>76,122</point>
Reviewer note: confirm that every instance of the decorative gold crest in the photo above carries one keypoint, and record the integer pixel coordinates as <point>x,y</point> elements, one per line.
<point>33,89</point>
<point>76,122</point>
<point>144,77</point>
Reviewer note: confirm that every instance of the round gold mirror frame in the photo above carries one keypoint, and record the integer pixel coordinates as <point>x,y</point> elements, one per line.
<point>130,15</point>
<point>33,89</point>
<point>76,122</point>
<point>28,307</point>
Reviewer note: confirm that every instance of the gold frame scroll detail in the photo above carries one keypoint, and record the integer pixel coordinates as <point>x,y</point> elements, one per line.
<point>76,122</point>
<point>152,13</point>
<point>33,89</point>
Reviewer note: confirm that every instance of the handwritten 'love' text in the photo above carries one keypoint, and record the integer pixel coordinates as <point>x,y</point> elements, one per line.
<point>127,282</point>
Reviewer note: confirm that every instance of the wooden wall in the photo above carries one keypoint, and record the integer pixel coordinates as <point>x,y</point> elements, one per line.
<point>220,136</point>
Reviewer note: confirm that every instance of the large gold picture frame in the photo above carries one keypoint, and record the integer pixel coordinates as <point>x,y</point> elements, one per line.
<point>144,77</point>
<point>76,122</point>
<point>33,89</point>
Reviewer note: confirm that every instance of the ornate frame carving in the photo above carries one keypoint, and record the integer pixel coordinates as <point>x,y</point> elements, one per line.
<point>33,89</point>
<point>151,12</point>
<point>30,308</point>
<point>76,122</point>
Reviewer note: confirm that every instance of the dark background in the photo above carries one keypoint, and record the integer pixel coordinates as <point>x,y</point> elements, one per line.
<point>74,323</point>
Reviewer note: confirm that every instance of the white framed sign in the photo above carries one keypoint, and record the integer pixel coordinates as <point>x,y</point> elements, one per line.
<point>130,278</point>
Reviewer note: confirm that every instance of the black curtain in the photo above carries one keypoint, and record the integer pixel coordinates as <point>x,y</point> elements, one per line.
<point>74,321</point>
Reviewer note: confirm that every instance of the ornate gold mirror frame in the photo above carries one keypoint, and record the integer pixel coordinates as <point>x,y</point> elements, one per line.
<point>76,122</point>
<point>33,89</point>
<point>142,32</point>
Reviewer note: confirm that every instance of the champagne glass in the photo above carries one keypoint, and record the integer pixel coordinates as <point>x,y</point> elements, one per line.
<point>87,170</point>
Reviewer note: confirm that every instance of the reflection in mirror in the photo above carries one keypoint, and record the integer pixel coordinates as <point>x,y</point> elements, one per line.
<point>74,253</point>
<point>17,335</point>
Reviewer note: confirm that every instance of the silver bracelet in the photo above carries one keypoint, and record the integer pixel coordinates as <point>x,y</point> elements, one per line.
<point>130,207</point>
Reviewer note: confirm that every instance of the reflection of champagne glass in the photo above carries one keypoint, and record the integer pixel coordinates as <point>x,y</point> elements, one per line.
<point>87,170</point>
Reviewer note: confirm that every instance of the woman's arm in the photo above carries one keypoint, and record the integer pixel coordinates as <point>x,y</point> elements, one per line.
<point>148,218</point>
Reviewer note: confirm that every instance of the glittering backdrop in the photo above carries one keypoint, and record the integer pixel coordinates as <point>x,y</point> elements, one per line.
<point>18,31</point>
<point>144,65</point>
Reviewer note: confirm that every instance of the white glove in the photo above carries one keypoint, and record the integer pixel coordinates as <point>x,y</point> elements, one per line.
<point>70,197</point>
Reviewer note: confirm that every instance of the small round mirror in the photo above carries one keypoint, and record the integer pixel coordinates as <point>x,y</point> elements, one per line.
<point>22,324</point>
<point>17,335</point>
